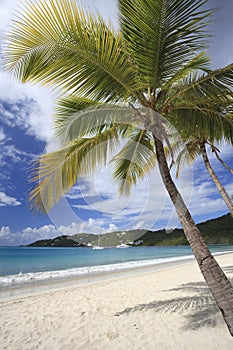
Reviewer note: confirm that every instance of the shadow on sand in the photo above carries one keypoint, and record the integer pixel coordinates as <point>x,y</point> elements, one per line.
<point>198,307</point>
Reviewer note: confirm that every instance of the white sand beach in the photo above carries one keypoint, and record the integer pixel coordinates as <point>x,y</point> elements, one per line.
<point>169,308</point>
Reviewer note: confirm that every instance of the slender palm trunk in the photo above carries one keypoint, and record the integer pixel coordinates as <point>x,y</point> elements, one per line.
<point>215,179</point>
<point>219,285</point>
<point>223,163</point>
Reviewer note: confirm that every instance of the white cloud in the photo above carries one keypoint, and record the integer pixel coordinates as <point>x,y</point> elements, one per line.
<point>140,225</point>
<point>15,155</point>
<point>34,114</point>
<point>29,234</point>
<point>96,226</point>
<point>146,203</point>
<point>29,110</point>
<point>4,231</point>
<point>6,200</point>
<point>2,135</point>
<point>46,231</point>
<point>38,117</point>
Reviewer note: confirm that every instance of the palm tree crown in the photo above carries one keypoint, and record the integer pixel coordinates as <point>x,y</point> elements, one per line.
<point>152,62</point>
<point>123,83</point>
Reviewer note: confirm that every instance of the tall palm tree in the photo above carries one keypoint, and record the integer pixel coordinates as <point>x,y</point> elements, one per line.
<point>215,178</point>
<point>152,64</point>
<point>196,139</point>
<point>216,152</point>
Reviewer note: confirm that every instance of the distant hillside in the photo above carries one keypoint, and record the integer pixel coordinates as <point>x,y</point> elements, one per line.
<point>215,231</point>
<point>60,241</point>
<point>218,231</point>
<point>110,239</point>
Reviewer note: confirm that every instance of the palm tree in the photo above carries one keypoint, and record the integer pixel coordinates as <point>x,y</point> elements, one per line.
<point>216,151</point>
<point>195,142</point>
<point>152,65</point>
<point>214,177</point>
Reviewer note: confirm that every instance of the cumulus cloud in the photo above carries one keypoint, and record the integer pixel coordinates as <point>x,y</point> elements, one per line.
<point>89,226</point>
<point>27,105</point>
<point>27,110</point>
<point>6,200</point>
<point>4,231</point>
<point>29,234</point>
<point>46,231</point>
<point>30,105</point>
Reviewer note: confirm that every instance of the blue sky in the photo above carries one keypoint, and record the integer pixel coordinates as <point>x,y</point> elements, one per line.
<point>93,205</point>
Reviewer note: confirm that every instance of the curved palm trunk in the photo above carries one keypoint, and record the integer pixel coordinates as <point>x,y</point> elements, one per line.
<point>215,179</point>
<point>219,285</point>
<point>223,163</point>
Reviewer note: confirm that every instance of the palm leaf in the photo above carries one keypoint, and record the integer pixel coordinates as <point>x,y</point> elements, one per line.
<point>67,109</point>
<point>186,155</point>
<point>200,62</point>
<point>56,43</point>
<point>134,161</point>
<point>203,120</point>
<point>215,85</point>
<point>73,120</point>
<point>58,171</point>
<point>163,35</point>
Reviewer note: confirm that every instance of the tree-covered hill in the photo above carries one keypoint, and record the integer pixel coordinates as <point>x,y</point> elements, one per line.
<point>60,241</point>
<point>215,231</point>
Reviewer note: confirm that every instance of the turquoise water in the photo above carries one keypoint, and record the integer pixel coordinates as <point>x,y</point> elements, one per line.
<point>23,264</point>
<point>14,260</point>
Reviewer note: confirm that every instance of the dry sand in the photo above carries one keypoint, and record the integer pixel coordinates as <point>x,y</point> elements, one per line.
<point>165,309</point>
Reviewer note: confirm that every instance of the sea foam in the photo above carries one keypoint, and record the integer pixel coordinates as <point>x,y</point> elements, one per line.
<point>22,279</point>
<point>28,278</point>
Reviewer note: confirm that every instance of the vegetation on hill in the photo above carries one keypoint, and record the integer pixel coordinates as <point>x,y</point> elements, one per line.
<point>215,231</point>
<point>60,241</point>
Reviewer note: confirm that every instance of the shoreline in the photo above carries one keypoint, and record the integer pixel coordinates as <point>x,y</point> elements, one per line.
<point>51,285</point>
<point>54,284</point>
<point>164,308</point>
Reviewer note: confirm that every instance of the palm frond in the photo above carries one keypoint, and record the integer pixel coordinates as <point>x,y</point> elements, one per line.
<point>200,62</point>
<point>134,160</point>
<point>72,121</point>
<point>59,44</point>
<point>163,35</point>
<point>202,120</point>
<point>58,171</point>
<point>189,152</point>
<point>66,111</point>
<point>216,85</point>
<point>70,104</point>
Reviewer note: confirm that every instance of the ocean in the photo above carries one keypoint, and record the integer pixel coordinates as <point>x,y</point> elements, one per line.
<point>23,265</point>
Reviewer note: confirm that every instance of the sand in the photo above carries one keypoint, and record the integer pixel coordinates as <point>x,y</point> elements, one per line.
<point>169,307</point>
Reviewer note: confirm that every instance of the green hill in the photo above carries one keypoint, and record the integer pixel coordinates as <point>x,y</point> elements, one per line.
<point>110,239</point>
<point>215,231</point>
<point>60,241</point>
